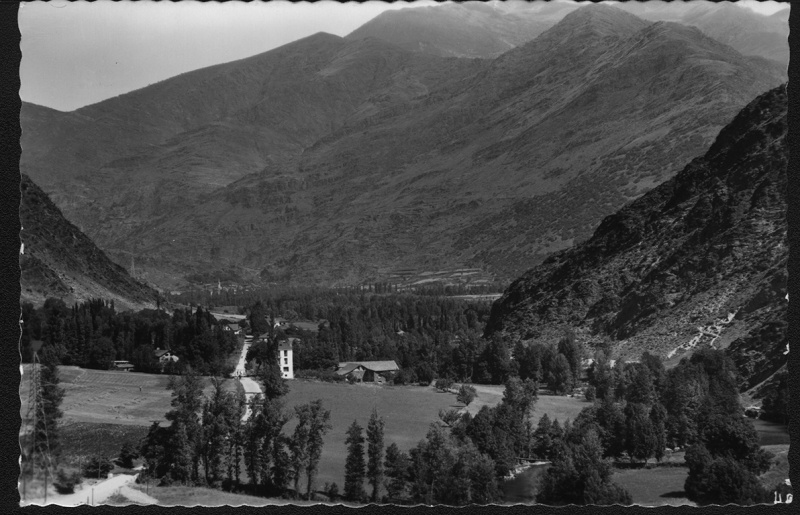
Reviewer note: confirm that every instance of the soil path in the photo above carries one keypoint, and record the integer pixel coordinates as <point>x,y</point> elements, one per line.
<point>250,386</point>
<point>88,494</point>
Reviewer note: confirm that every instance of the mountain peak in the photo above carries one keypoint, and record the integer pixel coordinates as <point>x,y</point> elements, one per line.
<point>602,19</point>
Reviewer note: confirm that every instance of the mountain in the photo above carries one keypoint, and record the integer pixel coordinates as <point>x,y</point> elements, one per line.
<point>699,260</point>
<point>171,143</point>
<point>748,32</point>
<point>58,260</point>
<point>468,29</point>
<point>497,171</point>
<point>335,161</point>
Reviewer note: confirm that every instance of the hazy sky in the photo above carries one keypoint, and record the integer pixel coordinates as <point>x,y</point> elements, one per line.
<point>78,53</point>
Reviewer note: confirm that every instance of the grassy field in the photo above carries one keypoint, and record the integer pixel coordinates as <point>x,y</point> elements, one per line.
<point>408,410</point>
<point>654,487</point>
<point>779,471</point>
<point>197,496</point>
<point>111,397</point>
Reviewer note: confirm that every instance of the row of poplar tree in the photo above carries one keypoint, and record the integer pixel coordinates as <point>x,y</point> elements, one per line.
<point>207,440</point>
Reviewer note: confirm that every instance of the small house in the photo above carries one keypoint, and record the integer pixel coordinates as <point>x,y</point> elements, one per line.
<point>125,366</point>
<point>165,356</point>
<point>368,371</point>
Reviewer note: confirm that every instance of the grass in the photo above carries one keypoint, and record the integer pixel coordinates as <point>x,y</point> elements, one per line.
<point>87,438</point>
<point>408,411</point>
<point>779,471</point>
<point>770,433</point>
<point>110,396</point>
<point>200,496</point>
<point>654,487</point>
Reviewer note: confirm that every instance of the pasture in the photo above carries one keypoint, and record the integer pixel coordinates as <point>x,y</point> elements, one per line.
<point>660,486</point>
<point>408,411</point>
<point>110,397</point>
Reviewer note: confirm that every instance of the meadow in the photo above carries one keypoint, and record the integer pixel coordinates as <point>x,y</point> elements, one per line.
<point>659,486</point>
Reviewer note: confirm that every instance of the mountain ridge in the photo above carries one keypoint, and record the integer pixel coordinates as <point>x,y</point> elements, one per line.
<point>699,260</point>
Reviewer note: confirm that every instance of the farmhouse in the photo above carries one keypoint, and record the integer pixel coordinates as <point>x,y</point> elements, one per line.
<point>165,355</point>
<point>368,371</point>
<point>231,327</point>
<point>127,366</point>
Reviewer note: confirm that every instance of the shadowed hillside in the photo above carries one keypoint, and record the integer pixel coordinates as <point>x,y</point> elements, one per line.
<point>58,260</point>
<point>699,261</point>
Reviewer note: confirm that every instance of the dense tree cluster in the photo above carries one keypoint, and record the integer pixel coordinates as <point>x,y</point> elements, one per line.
<point>557,366</point>
<point>93,335</point>
<point>642,409</point>
<point>207,442</point>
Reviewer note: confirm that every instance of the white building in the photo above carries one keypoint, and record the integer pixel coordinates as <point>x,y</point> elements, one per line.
<point>285,358</point>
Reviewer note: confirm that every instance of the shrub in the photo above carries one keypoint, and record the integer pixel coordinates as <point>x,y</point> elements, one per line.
<point>466,394</point>
<point>444,384</point>
<point>327,376</point>
<point>406,377</point>
<point>591,393</point>
<point>66,481</point>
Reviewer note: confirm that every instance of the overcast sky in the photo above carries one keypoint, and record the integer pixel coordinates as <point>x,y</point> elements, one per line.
<point>79,53</point>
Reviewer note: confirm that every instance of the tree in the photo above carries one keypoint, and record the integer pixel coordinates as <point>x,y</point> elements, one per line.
<point>580,475</point>
<point>375,453</point>
<point>572,351</point>
<point>127,454</point>
<point>559,379</point>
<point>318,426</point>
<point>641,440</point>
<point>720,480</point>
<point>541,437</point>
<point>97,466</point>
<point>354,465</point>
<point>776,400</point>
<point>51,395</point>
<point>396,466</point>
<point>466,394</point>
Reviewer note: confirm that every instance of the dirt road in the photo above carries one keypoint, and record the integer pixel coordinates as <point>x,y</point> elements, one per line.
<point>250,386</point>
<point>94,494</point>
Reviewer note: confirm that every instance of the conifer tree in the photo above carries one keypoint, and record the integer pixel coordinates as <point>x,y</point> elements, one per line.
<point>354,466</point>
<point>375,453</point>
<point>318,426</point>
<point>396,467</point>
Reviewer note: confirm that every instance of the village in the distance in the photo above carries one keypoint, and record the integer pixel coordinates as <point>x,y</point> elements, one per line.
<point>475,253</point>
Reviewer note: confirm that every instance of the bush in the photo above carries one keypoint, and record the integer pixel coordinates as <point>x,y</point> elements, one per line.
<point>66,481</point>
<point>97,466</point>
<point>466,394</point>
<point>331,490</point>
<point>444,384</point>
<point>327,376</point>
<point>406,377</point>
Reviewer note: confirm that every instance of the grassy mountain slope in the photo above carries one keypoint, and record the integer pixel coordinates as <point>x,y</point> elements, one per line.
<point>481,172</point>
<point>334,160</point>
<point>58,260</point>
<point>699,260</point>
